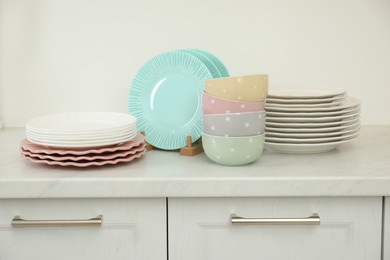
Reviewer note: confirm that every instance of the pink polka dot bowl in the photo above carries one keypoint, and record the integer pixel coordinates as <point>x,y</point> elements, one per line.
<point>234,124</point>
<point>251,88</point>
<point>216,105</point>
<point>233,151</point>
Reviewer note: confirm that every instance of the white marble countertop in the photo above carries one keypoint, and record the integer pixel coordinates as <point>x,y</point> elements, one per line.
<point>358,168</point>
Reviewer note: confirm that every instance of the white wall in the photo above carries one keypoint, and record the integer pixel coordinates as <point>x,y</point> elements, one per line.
<point>80,55</point>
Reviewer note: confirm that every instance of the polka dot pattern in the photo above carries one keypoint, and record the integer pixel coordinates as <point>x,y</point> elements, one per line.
<point>252,88</point>
<point>234,119</point>
<point>234,124</point>
<point>217,105</point>
<point>233,151</point>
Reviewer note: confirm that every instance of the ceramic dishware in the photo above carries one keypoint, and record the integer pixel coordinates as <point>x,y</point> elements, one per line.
<point>310,121</point>
<point>83,156</point>
<point>233,151</point>
<point>165,97</point>
<point>216,105</point>
<point>234,125</point>
<point>251,88</point>
<point>81,129</point>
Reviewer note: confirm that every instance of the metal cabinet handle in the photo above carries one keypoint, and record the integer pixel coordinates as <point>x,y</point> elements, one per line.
<point>19,222</point>
<point>314,219</point>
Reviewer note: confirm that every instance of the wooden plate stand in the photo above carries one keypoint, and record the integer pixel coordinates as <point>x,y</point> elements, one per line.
<point>191,149</point>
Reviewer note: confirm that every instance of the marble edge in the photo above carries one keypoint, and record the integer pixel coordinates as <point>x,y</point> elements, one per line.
<point>200,188</point>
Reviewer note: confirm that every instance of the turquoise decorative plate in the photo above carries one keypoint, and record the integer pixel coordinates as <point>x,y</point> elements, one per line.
<point>166,98</point>
<point>220,66</point>
<point>206,61</point>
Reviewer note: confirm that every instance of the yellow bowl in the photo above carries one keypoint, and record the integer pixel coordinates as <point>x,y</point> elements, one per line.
<point>252,88</point>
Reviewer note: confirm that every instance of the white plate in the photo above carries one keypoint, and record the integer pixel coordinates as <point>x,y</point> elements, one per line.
<point>74,142</point>
<point>305,148</point>
<point>131,127</point>
<point>311,119</point>
<point>313,135</point>
<point>305,101</point>
<point>84,144</point>
<point>26,145</point>
<point>80,122</point>
<point>311,125</point>
<point>330,129</point>
<point>313,114</point>
<point>69,137</point>
<point>304,93</point>
<point>296,105</point>
<point>312,140</point>
<point>347,103</point>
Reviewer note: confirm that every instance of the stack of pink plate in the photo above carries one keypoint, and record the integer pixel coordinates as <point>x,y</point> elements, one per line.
<point>82,139</point>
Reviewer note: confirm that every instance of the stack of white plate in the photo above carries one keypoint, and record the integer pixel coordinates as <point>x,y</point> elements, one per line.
<point>82,133</point>
<point>310,121</point>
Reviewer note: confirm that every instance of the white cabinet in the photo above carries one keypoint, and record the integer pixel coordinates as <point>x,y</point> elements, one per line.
<point>130,229</point>
<point>199,228</point>
<point>350,229</point>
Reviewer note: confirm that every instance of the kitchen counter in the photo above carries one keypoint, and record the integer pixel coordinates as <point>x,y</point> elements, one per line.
<point>358,168</point>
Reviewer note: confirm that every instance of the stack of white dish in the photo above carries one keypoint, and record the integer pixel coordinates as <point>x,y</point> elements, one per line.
<point>81,138</point>
<point>310,121</point>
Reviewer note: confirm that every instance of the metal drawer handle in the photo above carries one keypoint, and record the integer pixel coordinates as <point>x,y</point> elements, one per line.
<point>314,219</point>
<point>92,222</point>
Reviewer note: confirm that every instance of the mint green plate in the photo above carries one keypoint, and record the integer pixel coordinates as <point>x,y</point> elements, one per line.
<point>206,61</point>
<point>166,98</point>
<point>217,62</point>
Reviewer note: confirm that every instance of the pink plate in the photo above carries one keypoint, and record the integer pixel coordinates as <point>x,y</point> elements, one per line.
<point>217,105</point>
<point>127,158</point>
<point>36,148</point>
<point>86,157</point>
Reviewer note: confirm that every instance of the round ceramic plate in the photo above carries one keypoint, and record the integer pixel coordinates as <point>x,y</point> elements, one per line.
<point>291,140</point>
<point>304,93</point>
<point>127,158</point>
<point>82,138</point>
<point>206,61</point>
<point>312,125</point>
<point>87,157</point>
<point>330,129</point>
<point>312,105</point>
<point>166,98</point>
<point>305,148</point>
<point>347,103</point>
<point>305,101</point>
<point>313,135</point>
<point>26,145</point>
<point>311,119</point>
<point>220,66</point>
<point>313,114</point>
<point>80,123</point>
<point>80,144</point>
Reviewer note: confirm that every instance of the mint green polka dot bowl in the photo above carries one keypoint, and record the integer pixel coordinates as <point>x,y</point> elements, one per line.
<point>233,151</point>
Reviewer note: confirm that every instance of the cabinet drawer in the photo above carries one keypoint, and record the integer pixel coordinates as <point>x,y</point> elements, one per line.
<point>350,228</point>
<point>60,229</point>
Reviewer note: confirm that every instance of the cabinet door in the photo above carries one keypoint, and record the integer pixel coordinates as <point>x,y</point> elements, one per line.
<point>130,229</point>
<point>201,229</point>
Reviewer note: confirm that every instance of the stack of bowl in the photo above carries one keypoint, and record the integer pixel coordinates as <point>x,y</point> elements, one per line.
<point>234,119</point>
